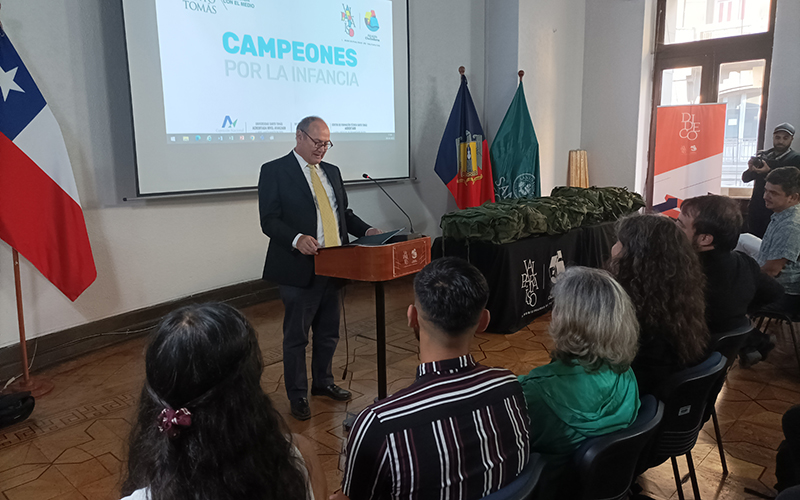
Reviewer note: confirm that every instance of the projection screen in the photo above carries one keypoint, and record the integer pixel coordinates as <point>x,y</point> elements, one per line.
<point>218,87</point>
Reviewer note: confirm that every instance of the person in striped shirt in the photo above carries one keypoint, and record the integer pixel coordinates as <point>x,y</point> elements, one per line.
<point>460,430</point>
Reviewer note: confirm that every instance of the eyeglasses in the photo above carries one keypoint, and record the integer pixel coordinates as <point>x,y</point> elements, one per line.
<point>318,144</point>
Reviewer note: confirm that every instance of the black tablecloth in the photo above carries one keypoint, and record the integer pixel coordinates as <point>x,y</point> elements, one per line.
<point>521,274</point>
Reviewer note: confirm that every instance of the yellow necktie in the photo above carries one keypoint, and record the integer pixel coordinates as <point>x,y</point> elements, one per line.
<point>329,229</point>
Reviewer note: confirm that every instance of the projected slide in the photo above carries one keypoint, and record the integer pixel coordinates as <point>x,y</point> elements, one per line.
<point>219,86</point>
<point>244,71</point>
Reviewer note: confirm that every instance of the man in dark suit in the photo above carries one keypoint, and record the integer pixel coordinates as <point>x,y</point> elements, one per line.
<point>303,207</point>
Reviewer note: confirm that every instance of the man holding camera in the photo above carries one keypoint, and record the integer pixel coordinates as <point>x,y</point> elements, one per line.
<point>781,155</point>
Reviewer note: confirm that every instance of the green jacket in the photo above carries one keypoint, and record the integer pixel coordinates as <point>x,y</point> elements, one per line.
<point>568,405</point>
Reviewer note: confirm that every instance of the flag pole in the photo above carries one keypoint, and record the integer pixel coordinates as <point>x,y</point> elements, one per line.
<point>23,344</point>
<point>520,73</point>
<point>461,70</point>
<point>37,386</point>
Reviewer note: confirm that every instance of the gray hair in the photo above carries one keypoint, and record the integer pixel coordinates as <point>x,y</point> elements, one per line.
<point>594,321</point>
<point>306,122</point>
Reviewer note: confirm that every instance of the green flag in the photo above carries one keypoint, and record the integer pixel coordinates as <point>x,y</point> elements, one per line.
<point>515,153</point>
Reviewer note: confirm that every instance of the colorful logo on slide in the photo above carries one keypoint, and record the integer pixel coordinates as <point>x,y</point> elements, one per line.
<point>228,123</point>
<point>349,22</point>
<point>371,20</point>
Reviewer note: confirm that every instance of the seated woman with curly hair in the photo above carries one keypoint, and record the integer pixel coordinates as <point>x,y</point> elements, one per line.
<point>589,389</point>
<point>205,429</point>
<point>655,263</point>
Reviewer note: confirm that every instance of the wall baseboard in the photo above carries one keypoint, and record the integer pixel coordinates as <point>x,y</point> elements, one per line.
<point>66,344</point>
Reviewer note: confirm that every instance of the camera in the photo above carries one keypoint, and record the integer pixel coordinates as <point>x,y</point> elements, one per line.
<point>759,159</point>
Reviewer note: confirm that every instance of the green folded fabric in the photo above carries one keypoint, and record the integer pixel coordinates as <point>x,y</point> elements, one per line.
<point>567,208</point>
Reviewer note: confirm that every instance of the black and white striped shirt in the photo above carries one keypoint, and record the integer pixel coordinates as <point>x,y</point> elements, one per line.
<point>460,431</point>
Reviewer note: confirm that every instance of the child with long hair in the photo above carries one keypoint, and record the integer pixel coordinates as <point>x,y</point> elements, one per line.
<point>205,428</point>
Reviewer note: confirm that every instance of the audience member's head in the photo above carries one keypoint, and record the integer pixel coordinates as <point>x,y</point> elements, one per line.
<point>594,321</point>
<point>205,428</point>
<point>782,189</point>
<point>655,263</point>
<point>451,296</point>
<point>711,222</point>
<point>782,137</point>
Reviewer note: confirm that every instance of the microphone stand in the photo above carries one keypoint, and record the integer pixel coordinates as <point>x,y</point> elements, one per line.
<point>411,235</point>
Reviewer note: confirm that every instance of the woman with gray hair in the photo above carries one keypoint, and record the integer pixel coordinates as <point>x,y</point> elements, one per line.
<point>588,389</point>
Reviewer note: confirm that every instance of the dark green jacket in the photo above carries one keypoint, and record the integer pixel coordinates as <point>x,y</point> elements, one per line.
<point>568,405</point>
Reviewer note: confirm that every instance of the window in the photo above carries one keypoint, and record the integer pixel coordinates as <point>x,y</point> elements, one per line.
<point>693,20</point>
<point>716,51</point>
<point>681,86</point>
<point>740,87</point>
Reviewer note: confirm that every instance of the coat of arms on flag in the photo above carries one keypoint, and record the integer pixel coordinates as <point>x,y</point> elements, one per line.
<point>469,157</point>
<point>463,159</point>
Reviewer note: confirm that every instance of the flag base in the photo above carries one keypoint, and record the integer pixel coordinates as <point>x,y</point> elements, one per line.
<point>37,386</point>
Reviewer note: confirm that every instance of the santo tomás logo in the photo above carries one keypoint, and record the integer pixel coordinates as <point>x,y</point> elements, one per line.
<point>349,22</point>
<point>371,20</point>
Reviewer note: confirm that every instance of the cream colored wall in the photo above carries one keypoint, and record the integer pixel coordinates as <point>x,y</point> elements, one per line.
<point>551,47</point>
<point>148,252</point>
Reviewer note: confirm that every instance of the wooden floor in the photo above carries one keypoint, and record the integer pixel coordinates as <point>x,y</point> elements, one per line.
<point>73,447</point>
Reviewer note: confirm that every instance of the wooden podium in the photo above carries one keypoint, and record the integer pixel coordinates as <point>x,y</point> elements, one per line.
<point>376,264</point>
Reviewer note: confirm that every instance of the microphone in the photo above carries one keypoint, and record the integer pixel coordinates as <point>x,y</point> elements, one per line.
<point>411,224</point>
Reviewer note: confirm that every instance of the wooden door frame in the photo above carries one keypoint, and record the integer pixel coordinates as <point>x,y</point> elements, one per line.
<point>709,54</point>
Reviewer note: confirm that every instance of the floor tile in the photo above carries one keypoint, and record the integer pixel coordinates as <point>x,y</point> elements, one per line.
<point>50,484</point>
<point>83,473</point>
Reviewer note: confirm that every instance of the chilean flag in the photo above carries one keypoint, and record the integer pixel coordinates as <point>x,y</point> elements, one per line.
<point>40,214</point>
<point>463,161</point>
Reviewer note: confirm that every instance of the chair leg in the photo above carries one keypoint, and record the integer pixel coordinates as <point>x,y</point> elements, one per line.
<point>677,478</point>
<point>693,475</point>
<point>794,341</point>
<point>719,442</point>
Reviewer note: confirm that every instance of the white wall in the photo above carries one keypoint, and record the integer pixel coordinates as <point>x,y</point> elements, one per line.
<point>502,61</point>
<point>551,49</point>
<point>148,252</point>
<point>784,85</point>
<point>618,47</point>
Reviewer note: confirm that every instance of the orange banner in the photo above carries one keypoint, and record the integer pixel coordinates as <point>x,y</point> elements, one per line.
<point>688,156</point>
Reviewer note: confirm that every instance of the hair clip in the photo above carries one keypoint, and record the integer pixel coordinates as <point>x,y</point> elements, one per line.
<point>170,421</point>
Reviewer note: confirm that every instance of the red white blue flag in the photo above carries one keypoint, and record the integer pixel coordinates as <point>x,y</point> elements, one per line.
<point>463,161</point>
<point>40,213</point>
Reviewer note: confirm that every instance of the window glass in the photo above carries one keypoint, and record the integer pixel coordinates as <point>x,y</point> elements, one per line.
<point>692,20</point>
<point>740,87</point>
<point>681,86</point>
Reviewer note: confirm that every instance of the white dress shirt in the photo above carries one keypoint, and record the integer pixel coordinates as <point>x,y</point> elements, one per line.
<point>331,197</point>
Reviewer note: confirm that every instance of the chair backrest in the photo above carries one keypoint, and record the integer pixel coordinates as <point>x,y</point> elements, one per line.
<point>685,395</point>
<point>792,493</point>
<point>728,344</point>
<point>606,464</point>
<point>523,486</point>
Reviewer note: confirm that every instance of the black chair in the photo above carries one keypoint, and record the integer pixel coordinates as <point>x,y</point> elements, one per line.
<point>606,464</point>
<point>792,493</point>
<point>728,344</point>
<point>685,395</point>
<point>523,486</point>
<point>781,317</point>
